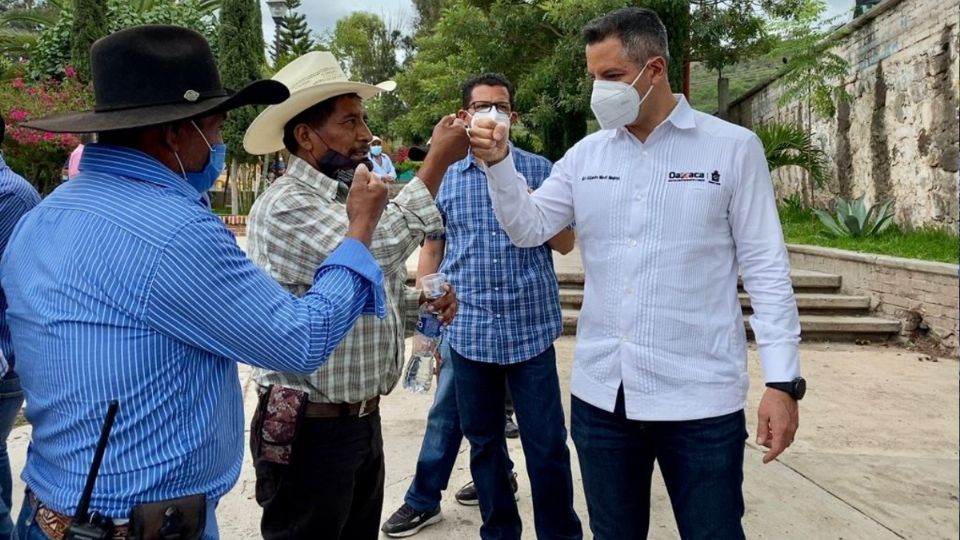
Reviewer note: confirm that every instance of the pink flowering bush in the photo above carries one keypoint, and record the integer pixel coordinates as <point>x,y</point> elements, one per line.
<point>39,156</point>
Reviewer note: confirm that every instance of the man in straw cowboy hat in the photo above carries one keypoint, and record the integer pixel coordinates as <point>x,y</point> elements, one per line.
<point>122,285</point>
<point>331,486</point>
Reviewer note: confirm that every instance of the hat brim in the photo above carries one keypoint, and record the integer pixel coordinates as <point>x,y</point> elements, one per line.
<point>265,134</point>
<point>264,92</point>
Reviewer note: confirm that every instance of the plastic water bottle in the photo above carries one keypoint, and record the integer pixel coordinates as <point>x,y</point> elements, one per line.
<point>421,364</point>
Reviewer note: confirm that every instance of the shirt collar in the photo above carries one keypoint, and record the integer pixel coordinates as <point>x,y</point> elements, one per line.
<point>131,163</point>
<point>682,114</point>
<point>304,172</point>
<point>681,117</point>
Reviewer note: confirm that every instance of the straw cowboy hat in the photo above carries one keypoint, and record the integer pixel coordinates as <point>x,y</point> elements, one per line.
<point>311,78</point>
<point>155,74</point>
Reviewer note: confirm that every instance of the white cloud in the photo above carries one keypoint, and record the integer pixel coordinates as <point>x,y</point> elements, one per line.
<point>323,15</point>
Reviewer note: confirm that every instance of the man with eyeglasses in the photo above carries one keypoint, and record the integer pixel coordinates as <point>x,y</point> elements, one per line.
<point>503,336</point>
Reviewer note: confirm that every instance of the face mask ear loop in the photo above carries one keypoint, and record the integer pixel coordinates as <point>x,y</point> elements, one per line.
<point>183,173</point>
<point>202,136</point>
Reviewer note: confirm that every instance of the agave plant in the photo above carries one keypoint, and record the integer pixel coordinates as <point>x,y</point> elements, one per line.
<point>853,219</point>
<point>790,144</point>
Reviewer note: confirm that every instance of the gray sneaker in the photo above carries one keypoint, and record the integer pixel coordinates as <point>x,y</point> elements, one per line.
<point>407,522</point>
<point>467,495</point>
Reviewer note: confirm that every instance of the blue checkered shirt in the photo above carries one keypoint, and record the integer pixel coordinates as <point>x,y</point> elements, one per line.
<point>509,304</point>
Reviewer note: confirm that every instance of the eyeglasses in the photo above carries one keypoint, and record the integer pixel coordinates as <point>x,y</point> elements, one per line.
<point>486,106</point>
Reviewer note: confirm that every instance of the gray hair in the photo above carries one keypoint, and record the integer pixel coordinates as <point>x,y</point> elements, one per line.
<point>640,30</point>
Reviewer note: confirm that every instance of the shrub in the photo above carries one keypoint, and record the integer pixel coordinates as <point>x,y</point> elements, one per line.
<point>39,156</point>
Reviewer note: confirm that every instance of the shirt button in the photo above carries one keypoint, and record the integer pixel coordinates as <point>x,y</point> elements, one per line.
<point>496,288</point>
<point>494,233</point>
<point>629,291</point>
<point>498,315</point>
<point>632,243</point>
<point>494,261</point>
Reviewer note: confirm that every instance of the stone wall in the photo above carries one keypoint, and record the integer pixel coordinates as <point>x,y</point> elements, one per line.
<point>924,296</point>
<point>898,136</point>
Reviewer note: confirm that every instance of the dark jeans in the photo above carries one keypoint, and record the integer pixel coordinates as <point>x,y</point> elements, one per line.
<point>536,397</point>
<point>441,443</point>
<point>701,462</point>
<point>11,398</point>
<point>333,486</point>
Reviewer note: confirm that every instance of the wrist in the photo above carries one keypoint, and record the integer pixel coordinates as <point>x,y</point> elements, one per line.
<point>361,232</point>
<point>796,388</point>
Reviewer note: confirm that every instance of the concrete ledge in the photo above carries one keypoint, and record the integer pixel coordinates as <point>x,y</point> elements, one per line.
<point>924,296</point>
<point>916,265</point>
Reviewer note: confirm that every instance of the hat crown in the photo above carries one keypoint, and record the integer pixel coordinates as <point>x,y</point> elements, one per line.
<point>311,69</point>
<point>153,65</point>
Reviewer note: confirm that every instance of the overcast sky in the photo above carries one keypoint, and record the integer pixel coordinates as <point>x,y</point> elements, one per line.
<point>322,15</point>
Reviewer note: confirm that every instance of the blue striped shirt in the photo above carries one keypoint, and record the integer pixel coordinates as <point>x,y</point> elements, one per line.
<point>509,304</point>
<point>123,285</point>
<point>16,197</point>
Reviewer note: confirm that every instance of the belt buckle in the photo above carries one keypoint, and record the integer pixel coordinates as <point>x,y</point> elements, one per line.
<point>363,409</point>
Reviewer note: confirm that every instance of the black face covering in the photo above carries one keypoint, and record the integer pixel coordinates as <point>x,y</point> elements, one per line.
<point>338,166</point>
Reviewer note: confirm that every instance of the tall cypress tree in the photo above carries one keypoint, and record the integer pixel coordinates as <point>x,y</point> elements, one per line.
<point>89,25</point>
<point>241,60</point>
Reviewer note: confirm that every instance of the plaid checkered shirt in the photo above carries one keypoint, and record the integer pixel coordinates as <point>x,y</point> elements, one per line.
<point>292,228</point>
<point>509,303</point>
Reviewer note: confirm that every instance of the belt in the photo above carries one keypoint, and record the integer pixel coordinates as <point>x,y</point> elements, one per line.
<point>334,410</point>
<point>55,525</point>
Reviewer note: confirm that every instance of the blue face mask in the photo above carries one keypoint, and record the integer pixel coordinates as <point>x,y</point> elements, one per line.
<point>204,179</point>
<point>376,150</point>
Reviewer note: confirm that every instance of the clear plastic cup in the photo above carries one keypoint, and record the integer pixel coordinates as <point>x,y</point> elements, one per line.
<point>433,285</point>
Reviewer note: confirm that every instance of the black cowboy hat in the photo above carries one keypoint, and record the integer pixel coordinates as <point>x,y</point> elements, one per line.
<point>155,74</point>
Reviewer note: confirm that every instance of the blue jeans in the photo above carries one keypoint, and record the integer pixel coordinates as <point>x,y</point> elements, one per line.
<point>11,398</point>
<point>441,442</point>
<point>701,462</point>
<point>536,398</point>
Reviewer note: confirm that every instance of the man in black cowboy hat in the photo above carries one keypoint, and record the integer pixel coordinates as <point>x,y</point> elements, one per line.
<point>123,285</point>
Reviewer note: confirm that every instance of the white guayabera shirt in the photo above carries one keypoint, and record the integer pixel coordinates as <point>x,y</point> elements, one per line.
<point>664,227</point>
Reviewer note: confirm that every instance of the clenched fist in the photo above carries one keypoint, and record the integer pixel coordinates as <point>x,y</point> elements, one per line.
<point>365,204</point>
<point>488,139</point>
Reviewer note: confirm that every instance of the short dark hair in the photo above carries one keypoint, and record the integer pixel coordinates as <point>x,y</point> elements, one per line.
<point>316,115</point>
<point>485,79</point>
<point>3,129</point>
<point>640,30</point>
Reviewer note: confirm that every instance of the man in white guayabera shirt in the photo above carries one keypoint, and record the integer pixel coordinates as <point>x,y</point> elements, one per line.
<point>669,204</point>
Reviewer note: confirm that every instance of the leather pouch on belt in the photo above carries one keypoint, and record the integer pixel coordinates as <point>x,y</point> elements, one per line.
<point>175,519</point>
<point>280,412</point>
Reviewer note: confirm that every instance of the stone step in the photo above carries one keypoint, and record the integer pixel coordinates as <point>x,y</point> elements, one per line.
<point>572,298</point>
<point>803,280</point>
<point>812,327</point>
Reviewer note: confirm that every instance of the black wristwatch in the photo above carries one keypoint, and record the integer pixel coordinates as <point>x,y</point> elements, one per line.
<point>796,388</point>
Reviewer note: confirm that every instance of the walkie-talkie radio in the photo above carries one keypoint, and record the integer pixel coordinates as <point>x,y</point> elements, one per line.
<point>93,526</point>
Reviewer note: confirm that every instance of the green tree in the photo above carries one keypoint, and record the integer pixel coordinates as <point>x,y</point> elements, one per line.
<point>51,52</point>
<point>813,72</point>
<point>89,25</point>
<point>731,31</point>
<point>241,61</point>
<point>537,45</point>
<point>295,37</point>
<point>367,51</point>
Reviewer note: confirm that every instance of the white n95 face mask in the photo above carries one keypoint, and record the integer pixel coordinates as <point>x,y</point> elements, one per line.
<point>615,103</point>
<point>493,114</point>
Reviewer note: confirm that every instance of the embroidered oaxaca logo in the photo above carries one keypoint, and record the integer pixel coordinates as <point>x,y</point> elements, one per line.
<point>598,177</point>
<point>715,178</point>
<point>686,177</point>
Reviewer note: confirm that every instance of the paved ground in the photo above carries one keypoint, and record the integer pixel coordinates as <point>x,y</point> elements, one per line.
<point>876,457</point>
